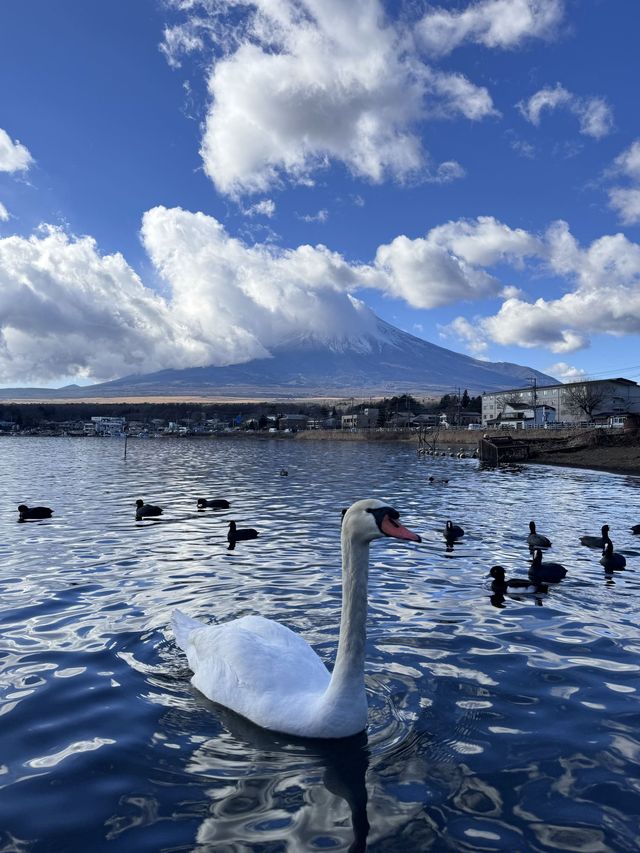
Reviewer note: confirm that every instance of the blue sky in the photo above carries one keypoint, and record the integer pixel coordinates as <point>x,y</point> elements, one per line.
<point>188,182</point>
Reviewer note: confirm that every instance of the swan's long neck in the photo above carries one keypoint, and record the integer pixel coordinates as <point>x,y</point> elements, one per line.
<point>348,673</point>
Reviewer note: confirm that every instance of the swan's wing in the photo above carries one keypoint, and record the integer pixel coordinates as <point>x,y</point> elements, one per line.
<point>255,666</point>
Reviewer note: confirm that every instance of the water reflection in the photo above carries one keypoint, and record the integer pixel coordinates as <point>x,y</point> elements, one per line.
<point>245,814</point>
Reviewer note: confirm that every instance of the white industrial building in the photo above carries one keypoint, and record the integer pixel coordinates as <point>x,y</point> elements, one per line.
<point>570,403</point>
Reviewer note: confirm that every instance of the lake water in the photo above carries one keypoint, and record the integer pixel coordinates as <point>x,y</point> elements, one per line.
<point>512,727</point>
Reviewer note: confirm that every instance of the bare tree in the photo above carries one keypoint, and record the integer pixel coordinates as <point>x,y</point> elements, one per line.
<point>584,399</point>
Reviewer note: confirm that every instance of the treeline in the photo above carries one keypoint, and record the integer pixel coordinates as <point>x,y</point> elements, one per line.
<point>27,415</point>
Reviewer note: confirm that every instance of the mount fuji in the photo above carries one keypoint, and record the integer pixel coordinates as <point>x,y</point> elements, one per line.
<point>383,360</point>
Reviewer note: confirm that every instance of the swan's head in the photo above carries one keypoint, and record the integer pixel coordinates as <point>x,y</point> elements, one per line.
<point>371,519</point>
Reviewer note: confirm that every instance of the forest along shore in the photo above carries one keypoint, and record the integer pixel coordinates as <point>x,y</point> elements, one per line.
<point>601,450</point>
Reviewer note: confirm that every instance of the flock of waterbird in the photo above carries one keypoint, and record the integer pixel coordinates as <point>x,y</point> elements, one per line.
<point>267,673</point>
<point>143,511</point>
<point>542,573</point>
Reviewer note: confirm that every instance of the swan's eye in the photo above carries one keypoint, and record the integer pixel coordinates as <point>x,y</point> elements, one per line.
<point>383,512</point>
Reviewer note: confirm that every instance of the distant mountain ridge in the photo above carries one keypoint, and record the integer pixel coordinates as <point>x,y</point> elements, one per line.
<point>383,361</point>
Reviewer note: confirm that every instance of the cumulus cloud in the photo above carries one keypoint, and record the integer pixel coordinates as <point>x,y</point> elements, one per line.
<point>67,310</point>
<point>14,157</point>
<point>299,84</point>
<point>625,200</point>
<point>492,23</point>
<point>605,297</point>
<point>593,113</point>
<point>4,213</point>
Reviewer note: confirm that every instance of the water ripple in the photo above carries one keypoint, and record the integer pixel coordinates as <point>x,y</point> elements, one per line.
<point>492,725</point>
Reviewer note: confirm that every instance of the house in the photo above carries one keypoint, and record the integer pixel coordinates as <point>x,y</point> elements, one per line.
<point>364,419</point>
<point>524,418</point>
<point>292,422</point>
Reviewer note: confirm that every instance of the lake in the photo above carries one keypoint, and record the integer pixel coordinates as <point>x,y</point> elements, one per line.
<point>493,724</point>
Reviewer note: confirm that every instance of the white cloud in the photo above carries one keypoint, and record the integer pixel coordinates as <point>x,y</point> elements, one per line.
<point>449,170</point>
<point>628,163</point>
<point>4,213</point>
<point>626,200</point>
<point>426,275</point>
<point>321,216</point>
<point>467,332</point>
<point>492,23</point>
<point>565,372</point>
<point>266,207</point>
<point>448,264</point>
<point>593,113</point>
<point>67,310</point>
<point>298,84</point>
<point>605,300</point>
<point>14,157</point>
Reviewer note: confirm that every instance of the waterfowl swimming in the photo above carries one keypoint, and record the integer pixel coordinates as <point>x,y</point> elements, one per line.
<point>537,540</point>
<point>501,585</point>
<point>284,472</point>
<point>264,671</point>
<point>215,503</point>
<point>27,512</point>
<point>144,510</point>
<point>452,531</point>
<point>540,572</point>
<point>611,561</point>
<point>236,534</point>
<point>596,541</point>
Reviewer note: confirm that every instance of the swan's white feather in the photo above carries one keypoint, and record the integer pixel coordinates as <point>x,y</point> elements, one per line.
<point>260,669</point>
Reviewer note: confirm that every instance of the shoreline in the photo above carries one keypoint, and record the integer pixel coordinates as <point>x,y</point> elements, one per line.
<point>618,455</point>
<point>617,458</point>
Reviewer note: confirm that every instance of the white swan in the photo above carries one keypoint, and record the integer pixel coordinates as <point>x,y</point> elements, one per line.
<point>266,672</point>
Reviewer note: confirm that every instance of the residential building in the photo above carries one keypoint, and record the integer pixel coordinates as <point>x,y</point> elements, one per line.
<point>108,426</point>
<point>292,422</point>
<point>573,402</point>
<point>364,419</point>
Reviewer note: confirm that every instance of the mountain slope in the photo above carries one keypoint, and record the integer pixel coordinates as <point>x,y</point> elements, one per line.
<point>384,362</point>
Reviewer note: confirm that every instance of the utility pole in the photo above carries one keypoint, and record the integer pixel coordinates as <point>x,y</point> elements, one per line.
<point>535,398</point>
